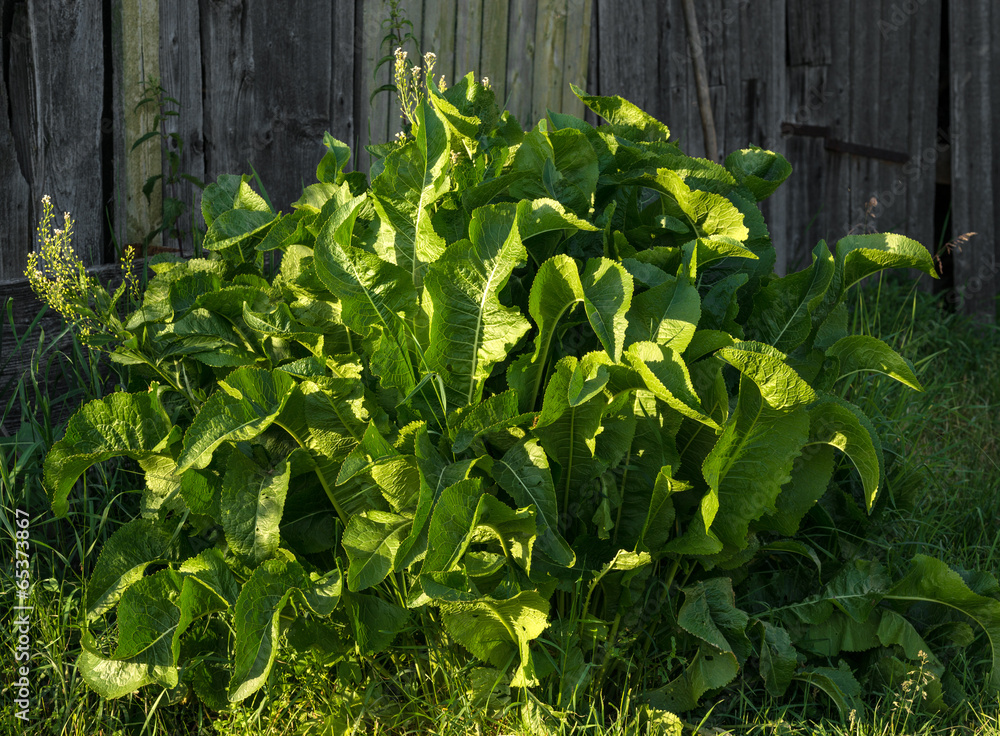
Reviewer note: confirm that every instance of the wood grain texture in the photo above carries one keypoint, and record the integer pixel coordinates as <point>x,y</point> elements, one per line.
<point>290,107</point>
<point>227,40</point>
<point>809,33</point>
<point>15,209</point>
<point>919,175</point>
<point>550,56</point>
<point>68,92</point>
<point>521,59</point>
<point>181,78</point>
<point>493,57</point>
<point>577,44</point>
<point>974,89</point>
<point>469,38</point>
<point>140,66</point>
<point>346,47</point>
<point>438,35</point>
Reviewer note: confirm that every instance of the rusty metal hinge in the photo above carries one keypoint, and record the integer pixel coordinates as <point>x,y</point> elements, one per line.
<point>832,144</point>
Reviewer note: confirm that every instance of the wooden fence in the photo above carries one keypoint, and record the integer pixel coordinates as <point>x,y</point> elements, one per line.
<point>884,108</point>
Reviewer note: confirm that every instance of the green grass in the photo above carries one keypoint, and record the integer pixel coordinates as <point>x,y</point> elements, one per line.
<point>943,457</point>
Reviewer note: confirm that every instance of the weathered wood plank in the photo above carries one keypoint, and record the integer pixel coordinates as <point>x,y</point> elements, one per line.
<point>291,107</point>
<point>67,43</point>
<point>375,108</point>
<point>973,61</point>
<point>835,99</point>
<point>468,38</point>
<point>438,35</point>
<point>15,204</point>
<point>593,52</point>
<point>630,65</point>
<point>346,51</point>
<point>578,18</point>
<point>493,57</point>
<point>550,55</point>
<point>863,120</point>
<point>920,173</point>
<point>521,59</point>
<point>763,51</point>
<point>139,66</point>
<point>181,78</point>
<point>803,192</point>
<point>809,34</point>
<point>230,88</point>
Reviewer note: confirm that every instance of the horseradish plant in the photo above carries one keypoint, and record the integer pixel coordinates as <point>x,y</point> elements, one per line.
<point>532,401</point>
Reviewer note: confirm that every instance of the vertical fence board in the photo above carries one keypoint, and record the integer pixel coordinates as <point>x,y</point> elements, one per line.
<point>763,51</point>
<point>227,57</point>
<point>919,175</point>
<point>68,73</point>
<point>973,84</point>
<point>493,59</point>
<point>521,59</point>
<point>375,109</point>
<point>291,109</point>
<point>625,30</point>
<point>835,100</point>
<point>550,50</point>
<point>594,52</point>
<point>578,17</point>
<point>139,66</point>
<point>439,36</point>
<point>180,73</point>
<point>15,209</point>
<point>345,48</point>
<point>468,38</point>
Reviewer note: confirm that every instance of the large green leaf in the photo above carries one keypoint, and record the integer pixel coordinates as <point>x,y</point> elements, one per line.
<point>860,256</point>
<point>666,314</point>
<point>328,417</point>
<point>560,165</point>
<point>664,373</point>
<point>148,618</point>
<point>470,330</point>
<point>371,540</point>
<point>866,353</point>
<point>607,296</point>
<point>250,400</point>
<point>625,116</point>
<point>372,292</point>
<point>842,425</point>
<point>523,472</point>
<point>253,501</point>
<point>766,366</point>
<point>133,425</point>
<point>124,558</point>
<point>760,171</point>
<point>709,669</point>
<point>374,621</point>
<point>568,433</point>
<point>414,178</point>
<point>783,310</point>
<point>255,623</point>
<point>452,525</point>
<point>497,631</point>
<point>493,413</point>
<point>932,581</point>
<point>555,291</point>
<point>751,461</point>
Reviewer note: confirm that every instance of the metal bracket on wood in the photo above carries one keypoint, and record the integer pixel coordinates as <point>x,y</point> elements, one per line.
<point>832,144</point>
